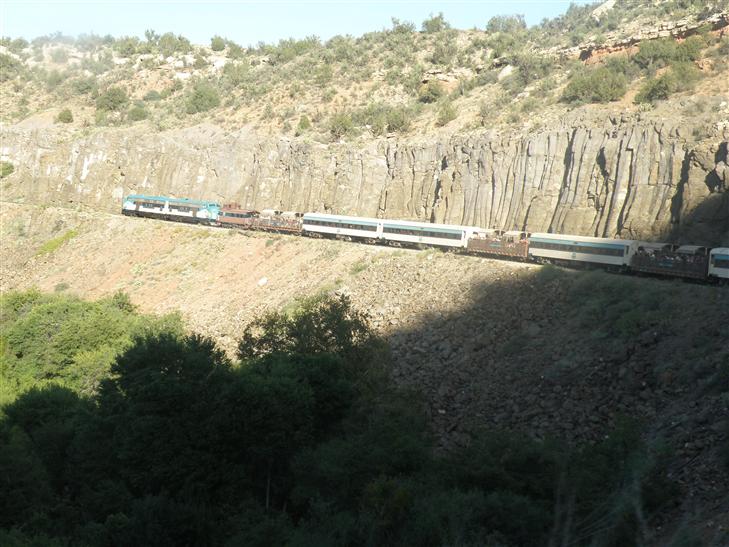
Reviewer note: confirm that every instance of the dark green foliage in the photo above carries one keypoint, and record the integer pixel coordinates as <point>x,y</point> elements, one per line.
<point>65,116</point>
<point>217,43</point>
<point>9,67</point>
<point>531,67</point>
<point>303,126</point>
<point>152,95</point>
<point>203,97</point>
<point>446,112</point>
<point>341,125</point>
<point>430,92</point>
<point>59,55</point>
<point>662,52</point>
<point>169,44</point>
<point>599,85</point>
<point>113,99</point>
<point>6,168</point>
<point>680,77</point>
<point>126,46</point>
<point>137,113</point>
<point>435,23</point>
<point>306,442</point>
<point>84,86</point>
<point>63,339</point>
<point>382,118</point>
<point>319,325</point>
<point>506,23</point>
<point>234,50</point>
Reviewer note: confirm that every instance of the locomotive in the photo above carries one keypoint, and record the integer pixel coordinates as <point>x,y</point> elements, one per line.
<point>663,259</point>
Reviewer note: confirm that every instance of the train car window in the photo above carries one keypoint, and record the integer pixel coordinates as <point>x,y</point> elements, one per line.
<point>722,263</point>
<point>345,225</point>
<point>577,248</point>
<point>421,233</point>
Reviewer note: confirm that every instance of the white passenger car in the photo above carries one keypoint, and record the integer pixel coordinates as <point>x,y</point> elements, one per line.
<point>342,226</point>
<point>426,233</point>
<point>719,263</point>
<point>590,250</point>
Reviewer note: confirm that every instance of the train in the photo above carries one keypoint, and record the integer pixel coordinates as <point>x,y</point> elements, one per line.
<point>640,257</point>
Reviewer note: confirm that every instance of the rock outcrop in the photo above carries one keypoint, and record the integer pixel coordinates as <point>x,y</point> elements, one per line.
<point>627,178</point>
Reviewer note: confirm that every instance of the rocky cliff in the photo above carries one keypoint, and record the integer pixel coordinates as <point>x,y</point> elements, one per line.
<point>630,178</point>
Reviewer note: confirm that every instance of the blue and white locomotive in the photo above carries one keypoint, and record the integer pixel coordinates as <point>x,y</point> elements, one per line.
<point>167,208</point>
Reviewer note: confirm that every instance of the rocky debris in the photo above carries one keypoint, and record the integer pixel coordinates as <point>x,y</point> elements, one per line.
<point>622,176</point>
<point>616,41</point>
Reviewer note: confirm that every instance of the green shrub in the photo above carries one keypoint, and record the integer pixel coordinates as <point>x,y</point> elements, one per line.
<point>59,55</point>
<point>430,92</point>
<point>113,99</point>
<point>84,86</point>
<point>54,78</point>
<point>304,125</point>
<point>152,95</point>
<point>664,51</point>
<point>681,77</point>
<point>382,118</point>
<point>217,43</point>
<point>531,66</point>
<point>435,23</point>
<point>599,85</point>
<point>443,53</point>
<point>169,44</point>
<point>6,168</point>
<point>234,50</point>
<point>137,113</point>
<point>341,125</point>
<point>203,98</point>
<point>9,68</point>
<point>200,62</point>
<point>446,112</point>
<point>65,116</point>
<point>126,46</point>
<point>53,244</point>
<point>506,23</point>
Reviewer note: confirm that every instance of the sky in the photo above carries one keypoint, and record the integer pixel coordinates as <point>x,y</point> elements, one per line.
<point>248,22</point>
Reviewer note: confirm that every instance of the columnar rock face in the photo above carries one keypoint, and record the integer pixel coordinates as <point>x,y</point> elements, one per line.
<point>632,180</point>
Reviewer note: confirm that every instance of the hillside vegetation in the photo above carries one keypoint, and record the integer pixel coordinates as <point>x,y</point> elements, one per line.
<point>394,81</point>
<point>302,441</point>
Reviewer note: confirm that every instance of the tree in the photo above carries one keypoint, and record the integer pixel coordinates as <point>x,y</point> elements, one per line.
<point>598,85</point>
<point>6,168</point>
<point>435,23</point>
<point>304,125</point>
<point>430,92</point>
<point>203,98</point>
<point>151,36</point>
<point>113,99</point>
<point>217,43</point>
<point>322,324</point>
<point>341,125</point>
<point>65,116</point>
<point>506,23</point>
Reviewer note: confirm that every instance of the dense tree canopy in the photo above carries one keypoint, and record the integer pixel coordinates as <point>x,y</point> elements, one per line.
<point>303,442</point>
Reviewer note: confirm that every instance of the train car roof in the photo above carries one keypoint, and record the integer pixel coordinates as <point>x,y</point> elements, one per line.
<point>654,245</point>
<point>431,225</point>
<point>690,249</point>
<point>327,216</point>
<point>720,251</point>
<point>586,239</point>
<point>168,198</point>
